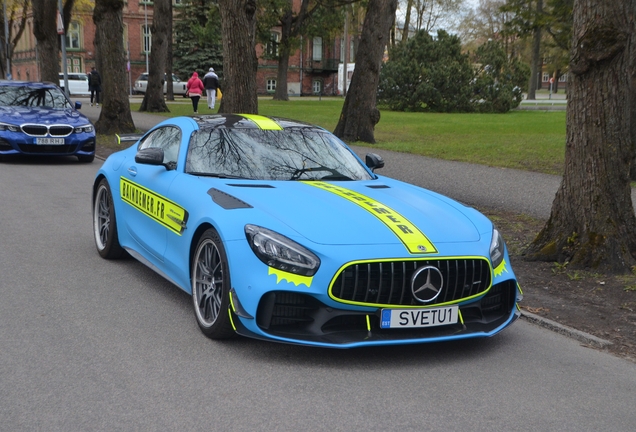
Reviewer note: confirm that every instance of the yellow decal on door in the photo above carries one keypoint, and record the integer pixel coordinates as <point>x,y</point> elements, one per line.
<point>162,210</point>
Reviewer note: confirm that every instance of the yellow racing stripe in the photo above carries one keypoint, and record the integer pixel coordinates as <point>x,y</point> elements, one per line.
<point>263,122</point>
<point>414,240</point>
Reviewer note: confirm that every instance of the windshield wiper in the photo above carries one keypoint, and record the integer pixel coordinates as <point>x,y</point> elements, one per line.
<point>334,175</point>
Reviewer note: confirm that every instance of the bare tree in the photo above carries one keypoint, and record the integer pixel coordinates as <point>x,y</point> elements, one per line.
<point>359,113</point>
<point>592,223</point>
<point>115,115</point>
<point>238,22</point>
<point>17,19</point>
<point>153,99</point>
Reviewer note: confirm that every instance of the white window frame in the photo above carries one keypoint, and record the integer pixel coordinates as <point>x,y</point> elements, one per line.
<point>316,54</point>
<point>146,39</point>
<point>316,86</point>
<point>546,77</point>
<point>73,36</point>
<point>272,45</point>
<point>271,85</point>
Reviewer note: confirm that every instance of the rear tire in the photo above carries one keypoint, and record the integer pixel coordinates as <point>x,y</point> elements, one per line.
<point>210,277</point>
<point>105,224</point>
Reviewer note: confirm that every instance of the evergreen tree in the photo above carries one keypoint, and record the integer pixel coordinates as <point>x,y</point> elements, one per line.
<point>427,74</point>
<point>198,43</point>
<point>499,83</point>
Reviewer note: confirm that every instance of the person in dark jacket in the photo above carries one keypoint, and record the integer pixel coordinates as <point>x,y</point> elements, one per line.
<point>94,85</point>
<point>211,84</point>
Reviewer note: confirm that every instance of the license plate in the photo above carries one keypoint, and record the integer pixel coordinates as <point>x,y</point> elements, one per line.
<point>416,318</point>
<point>49,141</point>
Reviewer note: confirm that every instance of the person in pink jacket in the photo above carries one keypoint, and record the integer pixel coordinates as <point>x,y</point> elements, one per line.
<point>194,89</point>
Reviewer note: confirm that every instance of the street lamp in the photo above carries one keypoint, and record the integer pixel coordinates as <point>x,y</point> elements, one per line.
<point>146,32</point>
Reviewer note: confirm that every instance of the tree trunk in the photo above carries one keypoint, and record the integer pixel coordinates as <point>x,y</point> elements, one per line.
<point>153,99</point>
<point>359,113</point>
<point>592,224</point>
<point>535,67</point>
<point>407,22</point>
<point>238,24</point>
<point>45,31</point>
<point>281,77</point>
<point>115,115</point>
<point>169,70</point>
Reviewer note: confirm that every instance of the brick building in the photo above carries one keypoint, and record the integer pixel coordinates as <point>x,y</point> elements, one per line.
<point>313,69</point>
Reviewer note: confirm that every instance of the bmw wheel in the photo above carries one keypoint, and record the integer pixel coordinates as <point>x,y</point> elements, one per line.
<point>210,287</point>
<point>104,226</point>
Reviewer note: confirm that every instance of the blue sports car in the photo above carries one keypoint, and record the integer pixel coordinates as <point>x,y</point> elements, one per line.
<point>38,119</point>
<point>280,232</point>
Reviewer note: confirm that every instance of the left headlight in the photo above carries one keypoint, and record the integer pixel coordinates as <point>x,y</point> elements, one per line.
<point>281,253</point>
<point>85,128</point>
<point>9,127</point>
<point>497,246</point>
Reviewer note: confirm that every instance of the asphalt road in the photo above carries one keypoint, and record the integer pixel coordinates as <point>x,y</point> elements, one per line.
<point>88,344</point>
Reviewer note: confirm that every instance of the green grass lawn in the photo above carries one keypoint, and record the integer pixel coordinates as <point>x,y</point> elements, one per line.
<point>529,140</point>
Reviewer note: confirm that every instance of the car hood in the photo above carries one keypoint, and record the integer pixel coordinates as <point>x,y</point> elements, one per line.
<point>372,212</point>
<point>41,115</point>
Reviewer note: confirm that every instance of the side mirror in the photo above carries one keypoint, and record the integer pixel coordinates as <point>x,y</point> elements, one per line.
<point>78,105</point>
<point>150,156</point>
<point>374,161</point>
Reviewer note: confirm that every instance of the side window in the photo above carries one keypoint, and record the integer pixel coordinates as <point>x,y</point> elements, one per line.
<point>168,138</point>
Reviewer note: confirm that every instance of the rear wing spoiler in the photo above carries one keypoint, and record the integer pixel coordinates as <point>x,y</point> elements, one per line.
<point>128,138</point>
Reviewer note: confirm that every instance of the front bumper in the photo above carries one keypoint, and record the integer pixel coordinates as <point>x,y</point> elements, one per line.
<point>302,319</point>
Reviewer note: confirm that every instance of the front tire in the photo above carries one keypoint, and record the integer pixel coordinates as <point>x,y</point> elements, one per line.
<point>210,287</point>
<point>104,223</point>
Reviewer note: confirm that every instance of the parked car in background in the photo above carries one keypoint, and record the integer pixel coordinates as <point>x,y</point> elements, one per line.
<point>77,84</point>
<point>38,119</point>
<point>178,86</point>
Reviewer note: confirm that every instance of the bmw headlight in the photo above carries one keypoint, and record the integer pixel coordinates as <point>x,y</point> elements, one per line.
<point>9,127</point>
<point>281,253</point>
<point>85,128</point>
<point>497,246</point>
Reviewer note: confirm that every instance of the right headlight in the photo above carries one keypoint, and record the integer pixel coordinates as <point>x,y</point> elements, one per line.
<point>280,252</point>
<point>497,247</point>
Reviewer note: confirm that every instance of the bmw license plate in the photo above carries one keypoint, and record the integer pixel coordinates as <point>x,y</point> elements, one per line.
<point>415,318</point>
<point>49,141</point>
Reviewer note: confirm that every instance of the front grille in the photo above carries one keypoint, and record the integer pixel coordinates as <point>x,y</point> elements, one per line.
<point>389,283</point>
<point>43,130</point>
<point>48,149</point>
<point>60,130</point>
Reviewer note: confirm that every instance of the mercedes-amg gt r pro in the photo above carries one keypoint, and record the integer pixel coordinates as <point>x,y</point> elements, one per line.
<point>280,232</point>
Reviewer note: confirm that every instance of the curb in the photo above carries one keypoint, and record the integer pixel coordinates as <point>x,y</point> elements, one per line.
<point>580,336</point>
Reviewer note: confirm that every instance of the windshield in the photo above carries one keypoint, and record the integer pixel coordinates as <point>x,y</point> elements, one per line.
<point>288,154</point>
<point>26,96</point>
